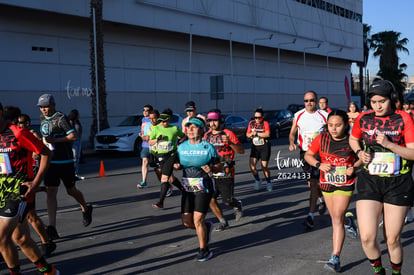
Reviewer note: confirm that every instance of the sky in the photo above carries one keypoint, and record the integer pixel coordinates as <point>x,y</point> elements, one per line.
<point>390,15</point>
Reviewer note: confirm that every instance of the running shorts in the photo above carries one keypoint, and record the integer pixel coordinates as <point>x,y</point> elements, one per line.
<point>313,171</point>
<point>391,190</point>
<point>261,152</point>
<point>57,172</point>
<point>225,187</point>
<point>195,202</point>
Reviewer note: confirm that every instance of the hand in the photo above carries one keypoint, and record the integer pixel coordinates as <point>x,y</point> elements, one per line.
<point>349,171</point>
<point>382,140</point>
<point>225,138</point>
<point>26,189</point>
<point>206,168</point>
<point>292,147</point>
<point>325,167</point>
<point>364,157</point>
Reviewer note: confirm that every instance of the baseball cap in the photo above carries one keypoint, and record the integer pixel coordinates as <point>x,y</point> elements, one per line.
<point>380,87</point>
<point>195,121</point>
<point>163,117</point>
<point>213,116</point>
<point>45,100</point>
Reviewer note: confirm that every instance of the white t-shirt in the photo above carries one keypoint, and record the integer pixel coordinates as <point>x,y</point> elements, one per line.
<point>309,126</point>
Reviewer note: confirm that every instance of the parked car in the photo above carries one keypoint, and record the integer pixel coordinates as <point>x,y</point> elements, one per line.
<point>238,125</point>
<point>125,137</point>
<point>295,107</point>
<point>280,122</point>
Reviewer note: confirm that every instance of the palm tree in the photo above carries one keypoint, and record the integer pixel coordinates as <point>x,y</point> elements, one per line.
<point>96,5</point>
<point>363,64</point>
<point>386,45</point>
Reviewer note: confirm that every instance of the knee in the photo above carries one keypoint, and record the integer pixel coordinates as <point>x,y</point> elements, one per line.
<point>367,239</point>
<point>393,241</point>
<point>20,239</point>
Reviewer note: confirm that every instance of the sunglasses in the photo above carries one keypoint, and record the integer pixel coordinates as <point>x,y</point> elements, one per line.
<point>309,100</point>
<point>258,117</point>
<point>21,122</point>
<point>146,110</point>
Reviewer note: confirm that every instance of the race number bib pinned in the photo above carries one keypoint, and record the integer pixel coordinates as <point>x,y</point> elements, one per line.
<point>193,184</point>
<point>337,175</point>
<point>308,137</point>
<point>257,141</point>
<point>384,163</point>
<point>5,166</point>
<point>164,146</point>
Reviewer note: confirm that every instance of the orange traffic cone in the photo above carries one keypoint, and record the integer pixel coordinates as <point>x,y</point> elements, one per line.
<point>102,170</point>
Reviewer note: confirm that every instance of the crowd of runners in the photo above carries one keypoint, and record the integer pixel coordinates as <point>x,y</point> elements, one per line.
<point>370,150</point>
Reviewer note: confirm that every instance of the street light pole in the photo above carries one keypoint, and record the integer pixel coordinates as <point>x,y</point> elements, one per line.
<point>278,60</point>
<point>254,62</point>
<point>304,63</point>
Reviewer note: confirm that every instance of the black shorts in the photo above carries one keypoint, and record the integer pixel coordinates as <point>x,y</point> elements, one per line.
<point>14,208</point>
<point>313,171</point>
<point>166,162</point>
<point>391,190</point>
<point>225,187</point>
<point>57,172</point>
<point>261,152</point>
<point>199,202</point>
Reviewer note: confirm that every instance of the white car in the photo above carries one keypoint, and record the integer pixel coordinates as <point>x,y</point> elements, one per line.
<point>125,137</point>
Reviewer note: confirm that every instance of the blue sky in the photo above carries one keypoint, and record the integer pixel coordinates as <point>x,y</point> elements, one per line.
<point>395,15</point>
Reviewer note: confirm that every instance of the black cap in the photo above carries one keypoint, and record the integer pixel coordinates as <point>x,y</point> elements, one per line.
<point>381,87</point>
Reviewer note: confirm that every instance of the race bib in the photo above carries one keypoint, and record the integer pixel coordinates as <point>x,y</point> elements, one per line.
<point>193,184</point>
<point>164,146</point>
<point>308,137</point>
<point>337,175</point>
<point>257,141</point>
<point>384,163</point>
<point>5,167</point>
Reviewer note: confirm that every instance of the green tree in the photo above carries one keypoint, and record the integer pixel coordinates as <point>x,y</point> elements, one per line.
<point>96,5</point>
<point>386,45</point>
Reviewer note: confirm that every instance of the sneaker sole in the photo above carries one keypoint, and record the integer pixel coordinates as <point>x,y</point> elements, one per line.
<point>328,267</point>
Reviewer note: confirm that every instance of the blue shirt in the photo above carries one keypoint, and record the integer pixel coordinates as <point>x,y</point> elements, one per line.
<point>196,155</point>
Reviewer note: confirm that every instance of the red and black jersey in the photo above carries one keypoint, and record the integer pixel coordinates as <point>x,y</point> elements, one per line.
<point>340,155</point>
<point>398,127</point>
<point>259,127</point>
<point>16,147</point>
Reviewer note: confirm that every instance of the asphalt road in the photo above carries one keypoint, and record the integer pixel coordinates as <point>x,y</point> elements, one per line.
<point>128,236</point>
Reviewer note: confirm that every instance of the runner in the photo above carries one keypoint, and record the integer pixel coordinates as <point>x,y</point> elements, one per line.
<point>309,123</point>
<point>336,178</point>
<point>198,159</point>
<point>145,128</point>
<point>226,144</point>
<point>191,111</point>
<point>48,246</point>
<point>353,113</point>
<point>58,135</point>
<point>259,131</point>
<point>385,183</point>
<point>18,184</point>
<point>323,104</point>
<point>165,137</point>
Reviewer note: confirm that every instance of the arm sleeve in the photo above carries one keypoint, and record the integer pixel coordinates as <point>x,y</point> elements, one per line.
<point>356,130</point>
<point>29,141</point>
<point>249,128</point>
<point>266,126</point>
<point>408,128</point>
<point>65,125</point>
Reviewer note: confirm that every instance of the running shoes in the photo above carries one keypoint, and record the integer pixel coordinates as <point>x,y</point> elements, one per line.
<point>269,186</point>
<point>52,232</point>
<point>257,185</point>
<point>309,222</point>
<point>221,226</point>
<point>158,205</point>
<point>142,185</point>
<point>333,264</point>
<point>87,215</point>
<point>350,227</point>
<point>48,248</point>
<point>204,255</point>
<point>238,211</point>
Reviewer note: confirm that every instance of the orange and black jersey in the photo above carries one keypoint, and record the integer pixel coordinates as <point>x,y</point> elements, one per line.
<point>398,127</point>
<point>340,155</point>
<point>16,147</point>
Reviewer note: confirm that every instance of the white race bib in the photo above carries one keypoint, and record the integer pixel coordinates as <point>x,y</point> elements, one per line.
<point>337,175</point>
<point>383,163</point>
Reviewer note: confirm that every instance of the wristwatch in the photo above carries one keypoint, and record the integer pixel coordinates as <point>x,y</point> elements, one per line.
<point>317,165</point>
<point>357,152</point>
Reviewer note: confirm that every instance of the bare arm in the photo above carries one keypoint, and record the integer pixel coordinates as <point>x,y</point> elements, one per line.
<point>292,136</point>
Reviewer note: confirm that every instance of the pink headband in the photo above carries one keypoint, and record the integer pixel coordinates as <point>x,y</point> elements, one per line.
<point>213,116</point>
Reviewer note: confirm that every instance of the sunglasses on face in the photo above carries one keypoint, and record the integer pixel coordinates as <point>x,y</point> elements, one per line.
<point>309,100</point>
<point>146,110</point>
<point>257,117</point>
<point>21,122</point>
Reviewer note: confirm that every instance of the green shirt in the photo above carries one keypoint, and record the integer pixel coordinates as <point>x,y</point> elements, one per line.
<point>169,141</point>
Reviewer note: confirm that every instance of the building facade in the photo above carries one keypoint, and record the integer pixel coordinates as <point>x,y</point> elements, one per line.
<point>233,54</point>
